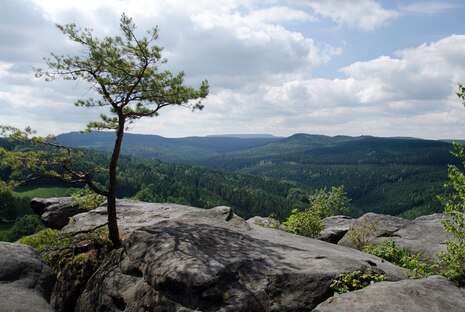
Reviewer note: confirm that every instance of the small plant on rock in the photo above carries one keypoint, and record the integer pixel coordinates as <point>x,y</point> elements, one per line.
<point>271,222</point>
<point>389,251</point>
<point>87,199</point>
<point>58,248</point>
<point>361,234</point>
<point>323,204</point>
<point>355,280</point>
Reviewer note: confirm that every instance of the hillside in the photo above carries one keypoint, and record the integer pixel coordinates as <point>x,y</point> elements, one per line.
<point>164,149</point>
<point>398,176</point>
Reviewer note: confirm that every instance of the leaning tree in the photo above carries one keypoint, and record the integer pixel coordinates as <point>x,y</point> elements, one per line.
<point>124,73</point>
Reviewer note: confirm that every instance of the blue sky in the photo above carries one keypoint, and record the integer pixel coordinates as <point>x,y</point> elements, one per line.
<point>352,67</point>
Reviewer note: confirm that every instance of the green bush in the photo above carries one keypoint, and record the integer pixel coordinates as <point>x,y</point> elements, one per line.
<point>58,248</point>
<point>453,259</point>
<point>25,225</point>
<point>322,204</point>
<point>330,203</point>
<point>360,234</point>
<point>355,280</point>
<point>306,223</point>
<point>87,199</point>
<point>389,251</point>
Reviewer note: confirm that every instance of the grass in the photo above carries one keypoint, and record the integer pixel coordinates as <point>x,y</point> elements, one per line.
<point>4,231</point>
<point>44,192</point>
<point>5,226</point>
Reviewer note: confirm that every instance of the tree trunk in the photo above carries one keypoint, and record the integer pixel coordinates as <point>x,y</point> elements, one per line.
<point>111,198</point>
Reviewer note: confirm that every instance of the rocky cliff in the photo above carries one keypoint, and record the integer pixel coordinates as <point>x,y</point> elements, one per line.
<point>180,258</point>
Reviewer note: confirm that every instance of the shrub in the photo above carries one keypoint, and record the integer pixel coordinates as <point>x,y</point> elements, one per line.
<point>322,204</point>
<point>305,223</point>
<point>25,225</point>
<point>361,234</point>
<point>58,248</point>
<point>389,251</point>
<point>87,199</point>
<point>453,259</point>
<point>355,280</point>
<point>330,203</point>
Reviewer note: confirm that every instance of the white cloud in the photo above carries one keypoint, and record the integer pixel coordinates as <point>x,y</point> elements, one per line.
<point>428,7</point>
<point>281,14</point>
<point>361,14</point>
<point>259,60</point>
<point>383,95</point>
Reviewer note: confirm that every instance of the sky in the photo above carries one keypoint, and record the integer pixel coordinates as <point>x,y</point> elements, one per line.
<point>333,67</point>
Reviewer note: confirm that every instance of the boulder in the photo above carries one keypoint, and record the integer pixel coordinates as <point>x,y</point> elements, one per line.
<point>424,235</point>
<point>180,258</point>
<point>56,211</point>
<point>433,294</point>
<point>266,222</point>
<point>26,282</point>
<point>18,299</point>
<point>335,228</point>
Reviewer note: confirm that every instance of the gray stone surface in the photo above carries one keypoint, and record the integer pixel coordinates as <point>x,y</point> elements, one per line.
<point>56,211</point>
<point>434,294</point>
<point>179,258</point>
<point>335,228</point>
<point>424,235</point>
<point>26,282</point>
<point>18,299</point>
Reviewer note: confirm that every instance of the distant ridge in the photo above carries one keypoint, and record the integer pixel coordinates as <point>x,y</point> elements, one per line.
<point>245,136</point>
<point>165,149</point>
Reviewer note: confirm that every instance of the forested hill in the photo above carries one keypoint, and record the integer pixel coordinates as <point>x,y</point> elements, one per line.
<point>233,153</point>
<point>398,176</point>
<point>311,149</point>
<point>165,149</point>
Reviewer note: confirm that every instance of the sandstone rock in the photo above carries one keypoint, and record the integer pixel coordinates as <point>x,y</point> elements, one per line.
<point>56,211</point>
<point>266,222</point>
<point>424,235</point>
<point>73,279</point>
<point>26,282</point>
<point>433,294</point>
<point>335,228</point>
<point>134,214</point>
<point>18,299</point>
<point>179,258</point>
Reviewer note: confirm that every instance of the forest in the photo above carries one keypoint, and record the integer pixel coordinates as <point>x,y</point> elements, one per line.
<point>397,176</point>
<point>261,176</point>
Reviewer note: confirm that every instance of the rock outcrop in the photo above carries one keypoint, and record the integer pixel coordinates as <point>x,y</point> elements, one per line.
<point>180,258</point>
<point>433,294</point>
<point>424,235</point>
<point>335,228</point>
<point>26,282</point>
<point>56,211</point>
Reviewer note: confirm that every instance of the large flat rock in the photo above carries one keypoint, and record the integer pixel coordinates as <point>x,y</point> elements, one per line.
<point>433,294</point>
<point>132,215</point>
<point>424,235</point>
<point>179,258</point>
